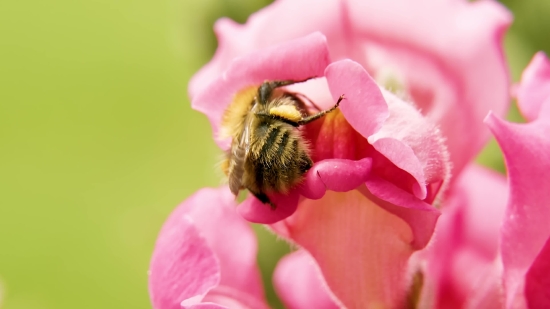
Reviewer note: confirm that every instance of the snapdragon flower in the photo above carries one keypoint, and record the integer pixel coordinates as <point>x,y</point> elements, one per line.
<point>418,78</point>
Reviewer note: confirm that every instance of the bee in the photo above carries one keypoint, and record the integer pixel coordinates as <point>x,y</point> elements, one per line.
<point>268,153</point>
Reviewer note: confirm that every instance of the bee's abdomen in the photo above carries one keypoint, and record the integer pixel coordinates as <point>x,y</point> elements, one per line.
<point>280,156</point>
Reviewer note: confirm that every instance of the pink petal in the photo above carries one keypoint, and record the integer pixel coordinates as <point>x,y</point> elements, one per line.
<point>233,298</point>
<point>213,210</point>
<point>480,196</point>
<point>461,257</point>
<point>293,60</point>
<point>336,175</point>
<point>525,229</point>
<point>222,230</point>
<point>450,57</point>
<point>406,139</point>
<point>300,284</point>
<point>413,144</point>
<point>235,40</point>
<point>207,306</point>
<point>534,88</point>
<point>468,281</point>
<point>340,232</point>
<point>255,211</point>
<point>333,174</point>
<point>489,292</point>
<point>481,279</point>
<point>364,106</point>
<point>537,281</point>
<point>183,267</point>
<point>419,215</point>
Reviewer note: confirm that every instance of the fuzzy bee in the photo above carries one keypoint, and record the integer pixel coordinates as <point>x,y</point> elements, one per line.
<point>268,153</point>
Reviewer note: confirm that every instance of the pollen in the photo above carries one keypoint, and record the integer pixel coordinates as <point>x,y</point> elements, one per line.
<point>232,121</point>
<point>287,112</point>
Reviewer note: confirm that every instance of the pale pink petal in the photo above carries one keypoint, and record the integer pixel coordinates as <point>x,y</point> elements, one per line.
<point>279,22</point>
<point>227,238</point>
<point>537,281</point>
<point>183,267</point>
<point>293,60</point>
<point>299,283</point>
<point>525,229</point>
<point>361,249</point>
<point>534,88</point>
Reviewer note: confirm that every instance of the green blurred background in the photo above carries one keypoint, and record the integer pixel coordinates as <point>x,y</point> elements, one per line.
<point>98,142</point>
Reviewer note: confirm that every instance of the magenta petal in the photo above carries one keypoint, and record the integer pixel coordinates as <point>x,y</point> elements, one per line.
<point>364,106</point>
<point>525,229</point>
<point>255,211</point>
<point>336,175</point>
<point>534,88</point>
<point>300,284</point>
<point>292,60</point>
<point>537,280</point>
<point>183,267</point>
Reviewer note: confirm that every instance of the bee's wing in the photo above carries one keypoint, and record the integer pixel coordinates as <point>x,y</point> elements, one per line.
<point>239,153</point>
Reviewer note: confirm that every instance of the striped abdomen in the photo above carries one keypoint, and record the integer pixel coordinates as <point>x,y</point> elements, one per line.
<point>278,156</point>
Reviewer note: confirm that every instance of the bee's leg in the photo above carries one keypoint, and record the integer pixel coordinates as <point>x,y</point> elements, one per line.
<point>320,114</point>
<point>267,87</point>
<point>263,198</point>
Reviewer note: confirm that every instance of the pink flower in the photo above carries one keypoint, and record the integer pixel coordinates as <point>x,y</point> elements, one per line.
<point>492,248</point>
<point>445,55</point>
<point>205,257</point>
<point>381,163</point>
<point>525,236</point>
